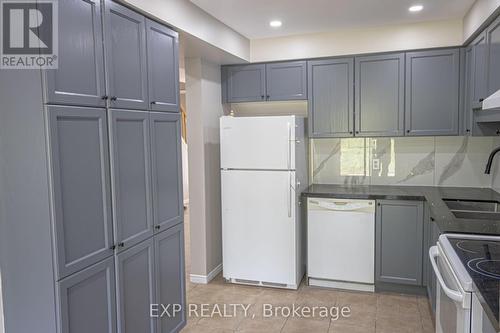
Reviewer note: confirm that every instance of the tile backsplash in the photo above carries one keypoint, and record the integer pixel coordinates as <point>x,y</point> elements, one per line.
<point>443,161</point>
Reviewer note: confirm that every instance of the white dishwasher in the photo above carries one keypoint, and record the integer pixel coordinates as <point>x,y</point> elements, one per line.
<point>341,243</point>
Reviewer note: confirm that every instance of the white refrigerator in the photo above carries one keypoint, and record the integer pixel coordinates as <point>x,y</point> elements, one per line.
<point>263,171</point>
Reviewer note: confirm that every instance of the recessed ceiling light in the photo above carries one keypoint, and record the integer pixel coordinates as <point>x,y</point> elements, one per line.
<point>275,24</point>
<point>416,8</point>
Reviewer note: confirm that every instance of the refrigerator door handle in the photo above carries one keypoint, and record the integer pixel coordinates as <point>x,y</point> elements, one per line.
<point>290,194</point>
<point>289,153</point>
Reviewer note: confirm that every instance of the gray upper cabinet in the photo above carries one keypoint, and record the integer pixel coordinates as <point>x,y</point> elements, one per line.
<point>166,170</point>
<point>286,81</point>
<point>379,101</point>
<point>81,186</point>
<point>163,67</point>
<point>79,80</point>
<point>131,176</point>
<point>170,276</point>
<point>87,300</point>
<point>493,35</point>
<point>135,288</point>
<point>246,83</point>
<point>331,97</point>
<point>398,242</point>
<point>432,92</point>
<point>467,114</point>
<point>126,57</point>
<point>478,73</point>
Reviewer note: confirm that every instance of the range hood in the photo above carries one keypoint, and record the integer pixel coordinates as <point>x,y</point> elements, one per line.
<point>492,102</point>
<point>490,111</point>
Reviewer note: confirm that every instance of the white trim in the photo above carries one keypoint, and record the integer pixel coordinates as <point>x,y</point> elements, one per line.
<point>205,279</point>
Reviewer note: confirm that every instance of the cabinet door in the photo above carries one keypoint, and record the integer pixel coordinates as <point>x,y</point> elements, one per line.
<point>87,300</point>
<point>81,187</point>
<point>432,92</point>
<point>379,97</point>
<point>79,80</point>
<point>163,67</point>
<point>479,78</point>
<point>246,83</point>
<point>131,177</point>
<point>493,68</point>
<point>170,279</point>
<point>467,115</point>
<point>331,93</point>
<point>398,242</point>
<point>286,81</point>
<point>126,57</point>
<point>166,170</point>
<point>135,288</point>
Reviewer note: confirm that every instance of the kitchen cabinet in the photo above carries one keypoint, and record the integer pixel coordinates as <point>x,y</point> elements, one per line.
<point>81,187</point>
<point>163,67</point>
<point>79,80</point>
<point>398,242</point>
<point>246,83</point>
<point>170,283</point>
<point>331,97</point>
<point>493,69</point>
<point>87,300</point>
<point>168,206</point>
<point>478,76</point>
<point>126,57</point>
<point>467,114</point>
<point>432,92</point>
<point>131,176</point>
<point>286,81</point>
<point>379,99</point>
<point>135,288</point>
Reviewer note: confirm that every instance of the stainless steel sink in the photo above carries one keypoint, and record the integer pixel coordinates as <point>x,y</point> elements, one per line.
<point>471,209</point>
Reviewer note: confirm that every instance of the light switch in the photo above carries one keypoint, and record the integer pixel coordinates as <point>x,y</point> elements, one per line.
<point>376,164</point>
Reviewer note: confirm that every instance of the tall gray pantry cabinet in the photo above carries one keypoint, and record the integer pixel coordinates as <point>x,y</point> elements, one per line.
<point>98,172</point>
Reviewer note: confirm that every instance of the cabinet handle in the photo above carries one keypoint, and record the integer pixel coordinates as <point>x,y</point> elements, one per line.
<point>357,132</point>
<point>113,98</point>
<point>153,102</point>
<point>378,204</point>
<point>467,130</point>
<point>432,219</point>
<point>157,227</point>
<point>350,132</point>
<point>267,96</point>
<point>105,97</point>
<point>498,132</point>
<point>262,96</point>
<point>407,131</point>
<point>112,247</point>
<point>122,244</point>
<point>481,100</point>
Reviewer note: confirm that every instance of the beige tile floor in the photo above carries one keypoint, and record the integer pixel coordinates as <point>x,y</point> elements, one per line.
<point>369,312</point>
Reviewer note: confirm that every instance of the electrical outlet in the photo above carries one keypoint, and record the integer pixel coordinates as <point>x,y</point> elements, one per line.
<point>376,164</point>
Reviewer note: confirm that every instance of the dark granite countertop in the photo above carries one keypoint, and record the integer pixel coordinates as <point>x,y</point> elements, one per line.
<point>434,195</point>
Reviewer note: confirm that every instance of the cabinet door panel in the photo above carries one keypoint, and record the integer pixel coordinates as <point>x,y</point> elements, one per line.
<point>170,276</point>
<point>246,83</point>
<point>286,81</point>
<point>126,57</point>
<point>87,300</point>
<point>163,67</point>
<point>81,187</point>
<point>167,171</point>
<point>135,288</point>
<point>399,237</point>
<point>479,78</point>
<point>493,68</point>
<point>380,95</point>
<point>330,102</point>
<point>131,176</point>
<point>79,80</point>
<point>432,92</point>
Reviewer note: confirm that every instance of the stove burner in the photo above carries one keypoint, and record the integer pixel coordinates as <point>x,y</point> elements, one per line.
<point>478,247</point>
<point>489,268</point>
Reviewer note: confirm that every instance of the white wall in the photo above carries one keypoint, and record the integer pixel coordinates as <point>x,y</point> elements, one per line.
<point>186,16</point>
<point>477,14</point>
<point>203,104</point>
<point>355,41</point>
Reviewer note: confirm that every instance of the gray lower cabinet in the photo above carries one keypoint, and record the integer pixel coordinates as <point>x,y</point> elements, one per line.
<point>126,57</point>
<point>131,176</point>
<point>168,206</point>
<point>379,101</point>
<point>87,300</point>
<point>79,80</point>
<point>163,67</point>
<point>170,277</point>
<point>246,83</point>
<point>398,242</point>
<point>432,92</point>
<point>135,288</point>
<point>331,97</point>
<point>78,140</point>
<point>493,36</point>
<point>286,81</point>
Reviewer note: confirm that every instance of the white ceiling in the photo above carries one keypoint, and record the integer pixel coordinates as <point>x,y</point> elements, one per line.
<point>251,17</point>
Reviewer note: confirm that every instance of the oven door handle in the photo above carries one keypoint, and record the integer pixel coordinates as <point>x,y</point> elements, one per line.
<point>453,294</point>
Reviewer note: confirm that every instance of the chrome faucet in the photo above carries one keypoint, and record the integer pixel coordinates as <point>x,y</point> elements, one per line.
<point>490,160</point>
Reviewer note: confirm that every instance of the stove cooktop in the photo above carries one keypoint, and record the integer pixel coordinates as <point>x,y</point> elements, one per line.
<point>481,258</point>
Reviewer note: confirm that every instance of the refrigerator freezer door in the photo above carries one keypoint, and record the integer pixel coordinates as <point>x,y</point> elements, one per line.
<point>266,143</point>
<point>259,226</point>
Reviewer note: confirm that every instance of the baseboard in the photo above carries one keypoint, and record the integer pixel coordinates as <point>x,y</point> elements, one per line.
<point>204,279</point>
